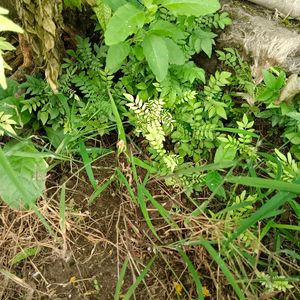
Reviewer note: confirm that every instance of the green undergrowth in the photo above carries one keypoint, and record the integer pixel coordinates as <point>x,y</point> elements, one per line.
<point>218,137</point>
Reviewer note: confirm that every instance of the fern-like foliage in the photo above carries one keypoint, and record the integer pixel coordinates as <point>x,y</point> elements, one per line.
<point>153,122</point>
<point>82,101</point>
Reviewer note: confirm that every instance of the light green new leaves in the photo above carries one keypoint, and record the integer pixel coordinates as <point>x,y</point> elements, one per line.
<point>191,7</point>
<point>156,53</point>
<point>116,55</point>
<point>5,25</point>
<point>125,21</point>
<point>22,174</point>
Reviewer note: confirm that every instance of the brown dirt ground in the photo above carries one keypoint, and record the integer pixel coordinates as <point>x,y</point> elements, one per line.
<point>84,262</point>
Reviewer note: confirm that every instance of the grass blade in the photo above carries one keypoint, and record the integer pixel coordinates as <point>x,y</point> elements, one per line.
<point>121,131</point>
<point>273,204</point>
<point>100,189</point>
<point>62,209</point>
<point>214,254</point>
<point>131,290</point>
<point>123,180</point>
<point>87,164</point>
<point>162,211</point>
<point>209,167</point>
<point>121,279</point>
<point>193,273</point>
<point>265,183</point>
<point>24,254</point>
<point>143,207</point>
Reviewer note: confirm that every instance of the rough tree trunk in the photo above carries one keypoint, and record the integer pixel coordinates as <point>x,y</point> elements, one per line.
<point>287,7</point>
<point>261,37</point>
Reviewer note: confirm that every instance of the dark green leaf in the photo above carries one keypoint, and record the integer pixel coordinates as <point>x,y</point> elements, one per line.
<point>214,182</point>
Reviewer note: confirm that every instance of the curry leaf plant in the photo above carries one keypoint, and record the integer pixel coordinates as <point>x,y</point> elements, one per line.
<point>136,27</point>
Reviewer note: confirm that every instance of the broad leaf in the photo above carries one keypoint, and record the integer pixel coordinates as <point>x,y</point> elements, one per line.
<point>224,154</point>
<point>176,55</point>
<point>115,4</point>
<point>191,7</point>
<point>125,21</point>
<point>116,55</point>
<point>214,182</point>
<point>166,28</point>
<point>8,25</point>
<point>28,168</point>
<point>205,41</point>
<point>156,53</point>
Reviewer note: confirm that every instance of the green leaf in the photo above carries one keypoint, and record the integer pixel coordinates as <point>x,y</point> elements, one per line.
<point>214,182</point>
<point>192,270</point>
<point>271,205</point>
<point>191,7</point>
<point>165,28</point>
<point>117,295</point>
<point>224,154</point>
<point>103,13</point>
<point>116,55</point>
<point>269,79</point>
<point>265,183</point>
<point>296,208</point>
<point>44,115</point>
<point>73,3</point>
<point>265,94</point>
<point>206,41</point>
<point>24,254</point>
<point>87,164</point>
<point>221,263</point>
<point>115,4</point>
<point>138,280</point>
<point>8,25</point>
<point>30,174</point>
<point>176,55</point>
<point>125,21</point>
<point>156,53</point>
<point>294,115</point>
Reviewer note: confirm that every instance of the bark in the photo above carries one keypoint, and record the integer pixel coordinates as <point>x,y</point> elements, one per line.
<point>259,37</point>
<point>286,7</point>
<point>11,6</point>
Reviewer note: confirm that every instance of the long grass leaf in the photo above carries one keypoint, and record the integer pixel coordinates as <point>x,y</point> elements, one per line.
<point>117,295</point>
<point>265,183</point>
<point>123,180</point>
<point>214,254</point>
<point>162,211</point>
<point>141,277</point>
<point>100,189</point>
<point>62,209</point>
<point>143,207</point>
<point>193,273</point>
<point>272,204</point>
<point>87,164</point>
<point>209,167</point>
<point>121,131</point>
